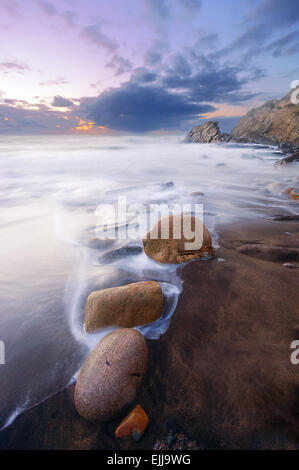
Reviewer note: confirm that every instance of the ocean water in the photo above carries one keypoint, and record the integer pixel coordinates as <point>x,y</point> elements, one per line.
<point>55,197</point>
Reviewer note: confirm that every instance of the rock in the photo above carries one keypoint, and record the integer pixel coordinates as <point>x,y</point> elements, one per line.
<point>99,244</point>
<point>197,193</point>
<point>294,158</point>
<point>172,250</point>
<point>119,253</point>
<point>287,190</point>
<point>133,425</point>
<point>291,265</point>
<point>207,133</point>
<point>295,194</point>
<point>128,306</point>
<point>275,122</point>
<point>287,148</point>
<point>286,217</point>
<point>111,376</point>
<point>175,440</point>
<point>269,253</point>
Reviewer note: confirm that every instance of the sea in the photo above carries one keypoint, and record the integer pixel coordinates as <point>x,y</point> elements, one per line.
<point>58,195</point>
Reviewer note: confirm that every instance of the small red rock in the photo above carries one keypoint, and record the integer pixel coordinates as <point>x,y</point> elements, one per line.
<point>133,425</point>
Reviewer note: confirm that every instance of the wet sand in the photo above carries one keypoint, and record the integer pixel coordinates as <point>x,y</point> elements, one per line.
<point>222,372</point>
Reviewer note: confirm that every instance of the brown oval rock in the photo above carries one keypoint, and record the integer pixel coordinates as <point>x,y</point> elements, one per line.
<point>131,305</point>
<point>111,376</point>
<point>173,248</point>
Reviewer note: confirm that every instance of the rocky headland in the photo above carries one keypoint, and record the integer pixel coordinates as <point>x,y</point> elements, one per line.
<point>276,122</point>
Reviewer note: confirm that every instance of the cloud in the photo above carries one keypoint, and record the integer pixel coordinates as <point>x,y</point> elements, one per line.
<point>158,8</point>
<point>285,45</point>
<point>136,108</point>
<point>7,67</point>
<point>267,18</point>
<point>154,55</point>
<point>69,16</point>
<point>160,13</point>
<point>207,80</point>
<point>275,13</point>
<point>21,117</point>
<point>120,65</point>
<point>177,94</point>
<point>208,42</point>
<point>60,102</point>
<point>96,37</point>
<point>191,4</point>
<point>180,66</point>
<point>55,81</point>
<point>164,8</point>
<point>47,7</point>
<point>142,75</point>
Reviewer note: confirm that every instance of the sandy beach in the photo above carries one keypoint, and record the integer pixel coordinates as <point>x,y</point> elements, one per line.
<point>221,374</point>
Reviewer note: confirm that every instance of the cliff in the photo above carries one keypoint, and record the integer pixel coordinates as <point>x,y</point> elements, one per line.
<point>276,122</point>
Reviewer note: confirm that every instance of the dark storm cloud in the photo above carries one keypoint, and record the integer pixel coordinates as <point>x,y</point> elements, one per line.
<point>171,97</point>
<point>136,108</point>
<point>142,75</point>
<point>60,102</point>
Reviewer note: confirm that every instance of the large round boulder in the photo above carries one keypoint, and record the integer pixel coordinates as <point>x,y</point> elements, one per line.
<point>111,376</point>
<point>171,239</point>
<point>131,305</point>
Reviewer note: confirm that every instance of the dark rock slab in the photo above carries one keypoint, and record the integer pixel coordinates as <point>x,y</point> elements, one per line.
<point>207,133</point>
<point>294,158</point>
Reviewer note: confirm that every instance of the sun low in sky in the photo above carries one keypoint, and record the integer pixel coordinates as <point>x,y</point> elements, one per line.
<point>140,66</point>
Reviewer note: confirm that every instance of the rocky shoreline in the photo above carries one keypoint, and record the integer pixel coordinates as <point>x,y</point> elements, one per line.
<point>276,122</point>
<point>221,374</point>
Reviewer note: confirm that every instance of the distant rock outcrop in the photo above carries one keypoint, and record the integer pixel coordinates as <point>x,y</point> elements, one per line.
<point>294,158</point>
<point>276,122</point>
<point>207,133</point>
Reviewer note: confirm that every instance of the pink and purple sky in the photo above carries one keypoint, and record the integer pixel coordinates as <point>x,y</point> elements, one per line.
<point>105,66</point>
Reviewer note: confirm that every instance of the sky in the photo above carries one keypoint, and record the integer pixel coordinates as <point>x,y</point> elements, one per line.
<point>141,66</point>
